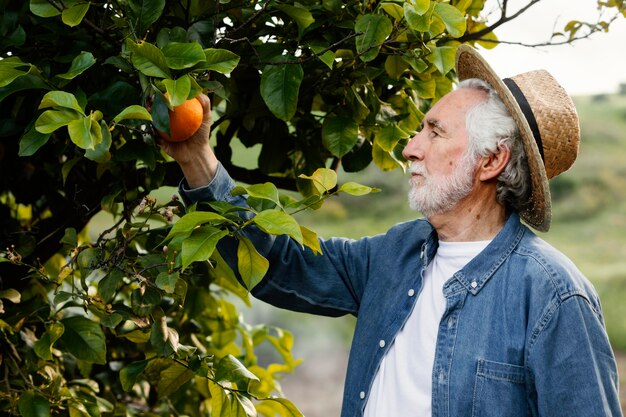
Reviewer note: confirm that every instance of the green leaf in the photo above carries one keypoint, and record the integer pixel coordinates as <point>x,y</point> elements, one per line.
<point>32,141</point>
<point>145,13</point>
<point>111,320</point>
<point>220,60</point>
<point>12,68</point>
<point>74,14</point>
<point>172,378</point>
<point>383,159</point>
<point>277,222</point>
<point>11,294</point>
<point>67,167</point>
<point>107,287</point>
<point>339,134</point>
<point>80,133</point>
<point>80,64</point>
<point>225,278</point>
<point>357,189</point>
<point>70,237</point>
<point>395,65</point>
<point>374,29</point>
<point>100,153</point>
<point>51,120</point>
<point>311,240</point>
<point>43,8</point>
<point>185,225</point>
<point>389,136</point>
<point>423,88</point>
<point>144,300</point>
<point>452,17</point>
<point>130,373</point>
<point>394,10</point>
<point>60,99</point>
<point>84,339</point>
<point>324,179</point>
<point>24,81</point>
<point>163,339</point>
<point>251,264</point>
<point>420,6</point>
<point>167,281</point>
<point>220,401</point>
<point>148,59</point>
<point>160,113</point>
<point>279,406</point>
<point>231,370</point>
<point>43,346</point>
<point>201,244</point>
<point>328,57</point>
<point>133,112</point>
<point>33,405</point>
<point>265,191</point>
<point>417,63</point>
<point>417,19</point>
<point>280,85</point>
<point>179,55</point>
<point>178,90</point>
<point>298,14</point>
<point>443,58</point>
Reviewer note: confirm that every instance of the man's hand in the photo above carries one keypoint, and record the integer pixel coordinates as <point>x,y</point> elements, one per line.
<point>194,155</point>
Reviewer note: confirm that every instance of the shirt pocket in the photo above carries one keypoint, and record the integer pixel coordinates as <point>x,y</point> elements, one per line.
<point>499,390</point>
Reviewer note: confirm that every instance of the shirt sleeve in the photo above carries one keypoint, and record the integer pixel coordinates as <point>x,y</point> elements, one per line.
<point>328,284</point>
<point>572,363</point>
<point>219,189</point>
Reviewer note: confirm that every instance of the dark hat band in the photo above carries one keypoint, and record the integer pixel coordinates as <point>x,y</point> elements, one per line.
<point>527,111</point>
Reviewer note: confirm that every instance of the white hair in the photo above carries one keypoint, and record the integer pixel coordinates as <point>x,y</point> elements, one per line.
<point>490,127</point>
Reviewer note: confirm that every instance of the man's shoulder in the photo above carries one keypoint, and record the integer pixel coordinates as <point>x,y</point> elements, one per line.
<point>550,266</point>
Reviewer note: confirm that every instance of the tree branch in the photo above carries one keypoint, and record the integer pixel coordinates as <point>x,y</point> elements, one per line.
<point>503,19</point>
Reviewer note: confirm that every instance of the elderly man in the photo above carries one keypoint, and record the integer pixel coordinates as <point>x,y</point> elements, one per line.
<point>465,312</point>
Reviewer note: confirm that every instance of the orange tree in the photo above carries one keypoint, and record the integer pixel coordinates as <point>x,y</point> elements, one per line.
<point>137,317</point>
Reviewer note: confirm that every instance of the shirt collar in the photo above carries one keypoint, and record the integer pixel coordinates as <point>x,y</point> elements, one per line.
<point>477,272</point>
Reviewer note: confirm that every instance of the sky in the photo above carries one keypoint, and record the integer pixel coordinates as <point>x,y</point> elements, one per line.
<point>589,66</point>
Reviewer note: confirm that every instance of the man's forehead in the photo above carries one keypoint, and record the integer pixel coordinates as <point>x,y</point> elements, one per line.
<point>452,107</point>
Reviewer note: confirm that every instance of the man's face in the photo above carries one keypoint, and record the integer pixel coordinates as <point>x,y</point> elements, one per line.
<point>442,172</point>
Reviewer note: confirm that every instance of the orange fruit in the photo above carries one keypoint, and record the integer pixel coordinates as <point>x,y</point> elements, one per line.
<point>185,120</point>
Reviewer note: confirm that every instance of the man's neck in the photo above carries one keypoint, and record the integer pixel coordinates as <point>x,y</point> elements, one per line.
<point>471,220</point>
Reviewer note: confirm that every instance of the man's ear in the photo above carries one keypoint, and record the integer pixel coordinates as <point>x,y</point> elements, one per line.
<point>493,164</point>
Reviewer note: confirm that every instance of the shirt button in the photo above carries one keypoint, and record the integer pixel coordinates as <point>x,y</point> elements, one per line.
<point>381,343</point>
<point>362,395</point>
<point>411,292</point>
<point>474,284</point>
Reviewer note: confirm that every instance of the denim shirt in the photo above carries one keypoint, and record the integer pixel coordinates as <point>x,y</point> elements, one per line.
<point>522,333</point>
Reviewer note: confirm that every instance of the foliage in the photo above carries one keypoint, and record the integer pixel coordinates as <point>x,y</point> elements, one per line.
<point>138,321</point>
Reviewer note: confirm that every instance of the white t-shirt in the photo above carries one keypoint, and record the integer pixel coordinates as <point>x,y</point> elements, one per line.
<point>403,384</point>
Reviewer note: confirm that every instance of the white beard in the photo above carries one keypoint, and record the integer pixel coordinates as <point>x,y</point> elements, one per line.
<point>431,195</point>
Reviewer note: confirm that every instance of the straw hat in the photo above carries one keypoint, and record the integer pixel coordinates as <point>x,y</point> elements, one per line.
<point>547,121</point>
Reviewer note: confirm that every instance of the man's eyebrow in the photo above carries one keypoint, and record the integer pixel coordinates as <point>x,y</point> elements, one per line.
<point>433,123</point>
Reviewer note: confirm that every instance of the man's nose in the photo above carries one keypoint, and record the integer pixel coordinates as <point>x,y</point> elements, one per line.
<point>413,150</point>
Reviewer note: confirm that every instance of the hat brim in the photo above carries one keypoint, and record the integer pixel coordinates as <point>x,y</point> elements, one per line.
<point>538,212</point>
